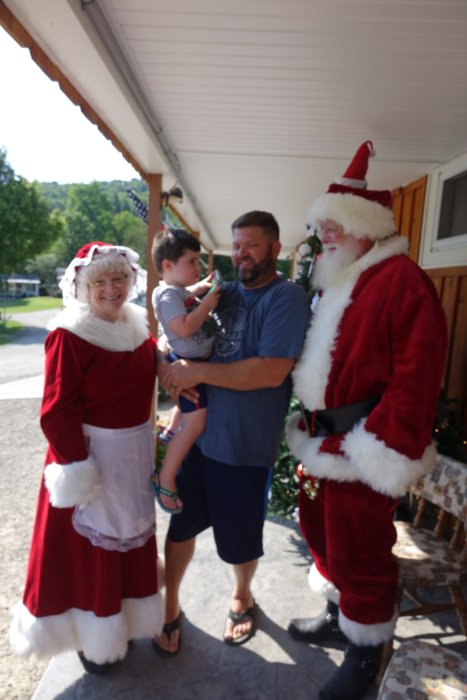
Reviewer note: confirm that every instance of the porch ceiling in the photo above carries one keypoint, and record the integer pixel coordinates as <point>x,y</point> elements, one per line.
<point>259,104</point>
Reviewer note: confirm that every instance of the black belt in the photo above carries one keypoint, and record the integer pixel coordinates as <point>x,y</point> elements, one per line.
<point>330,421</point>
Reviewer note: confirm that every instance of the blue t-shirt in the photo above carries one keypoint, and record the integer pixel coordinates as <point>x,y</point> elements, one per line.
<point>245,427</point>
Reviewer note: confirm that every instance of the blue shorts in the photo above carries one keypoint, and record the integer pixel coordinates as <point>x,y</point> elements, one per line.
<point>230,499</point>
<point>185,405</point>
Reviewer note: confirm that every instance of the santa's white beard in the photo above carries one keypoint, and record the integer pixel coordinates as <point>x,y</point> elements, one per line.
<point>332,262</point>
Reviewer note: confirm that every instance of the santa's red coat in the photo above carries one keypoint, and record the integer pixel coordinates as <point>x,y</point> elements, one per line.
<point>379,331</point>
<point>78,595</point>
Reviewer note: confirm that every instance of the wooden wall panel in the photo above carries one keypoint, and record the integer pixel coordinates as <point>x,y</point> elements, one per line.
<point>448,295</point>
<point>457,373</point>
<point>407,207</point>
<point>397,207</point>
<point>450,283</point>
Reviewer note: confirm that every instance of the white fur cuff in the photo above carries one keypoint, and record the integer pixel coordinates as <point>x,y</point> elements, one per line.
<point>321,585</point>
<point>385,470</point>
<point>367,635</point>
<point>73,484</point>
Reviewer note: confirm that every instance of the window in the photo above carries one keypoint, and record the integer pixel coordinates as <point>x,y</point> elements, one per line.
<point>444,241</point>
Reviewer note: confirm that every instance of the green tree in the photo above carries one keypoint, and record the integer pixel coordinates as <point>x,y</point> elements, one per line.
<point>45,267</point>
<point>223,263</point>
<point>89,217</point>
<point>26,226</point>
<point>131,231</point>
<point>55,194</point>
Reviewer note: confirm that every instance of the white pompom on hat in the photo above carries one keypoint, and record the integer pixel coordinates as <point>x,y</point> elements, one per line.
<point>362,212</point>
<point>85,256</point>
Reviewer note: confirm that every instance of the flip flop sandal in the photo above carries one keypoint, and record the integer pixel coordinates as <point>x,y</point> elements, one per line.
<point>238,619</point>
<point>159,490</point>
<point>168,629</point>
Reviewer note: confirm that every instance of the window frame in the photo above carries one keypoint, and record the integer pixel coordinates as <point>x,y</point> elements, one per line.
<point>445,252</point>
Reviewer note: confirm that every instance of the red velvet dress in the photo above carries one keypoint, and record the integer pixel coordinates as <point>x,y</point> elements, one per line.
<point>78,595</point>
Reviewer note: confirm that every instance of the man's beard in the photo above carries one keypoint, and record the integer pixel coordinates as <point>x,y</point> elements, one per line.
<point>257,270</point>
<point>331,263</point>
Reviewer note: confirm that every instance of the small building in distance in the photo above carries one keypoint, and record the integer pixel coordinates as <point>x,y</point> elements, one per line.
<point>19,286</point>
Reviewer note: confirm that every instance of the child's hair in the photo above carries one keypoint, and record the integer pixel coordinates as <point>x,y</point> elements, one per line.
<point>171,244</point>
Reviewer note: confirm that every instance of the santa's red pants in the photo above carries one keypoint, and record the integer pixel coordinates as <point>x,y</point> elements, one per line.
<point>349,530</point>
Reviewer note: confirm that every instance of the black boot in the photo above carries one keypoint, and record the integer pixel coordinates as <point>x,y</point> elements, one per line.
<point>352,679</point>
<point>316,630</point>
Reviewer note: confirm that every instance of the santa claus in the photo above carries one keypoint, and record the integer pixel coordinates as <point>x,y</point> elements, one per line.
<point>368,381</point>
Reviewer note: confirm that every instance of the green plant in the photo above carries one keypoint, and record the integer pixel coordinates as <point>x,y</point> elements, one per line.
<point>160,454</point>
<point>284,486</point>
<point>8,331</point>
<point>308,250</point>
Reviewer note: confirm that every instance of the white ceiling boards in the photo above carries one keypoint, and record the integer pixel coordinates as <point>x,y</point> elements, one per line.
<point>259,104</point>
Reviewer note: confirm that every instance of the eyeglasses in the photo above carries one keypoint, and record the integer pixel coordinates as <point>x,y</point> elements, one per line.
<point>114,282</point>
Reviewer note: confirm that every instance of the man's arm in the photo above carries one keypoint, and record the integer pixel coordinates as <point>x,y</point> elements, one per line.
<point>242,375</point>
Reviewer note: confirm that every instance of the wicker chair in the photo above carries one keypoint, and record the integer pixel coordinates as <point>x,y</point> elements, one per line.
<point>427,558</point>
<point>424,671</point>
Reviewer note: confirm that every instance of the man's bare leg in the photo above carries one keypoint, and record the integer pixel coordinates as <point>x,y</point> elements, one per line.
<point>242,599</point>
<point>177,557</point>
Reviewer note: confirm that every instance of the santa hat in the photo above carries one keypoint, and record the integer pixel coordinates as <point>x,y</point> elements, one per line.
<point>362,212</point>
<point>93,253</point>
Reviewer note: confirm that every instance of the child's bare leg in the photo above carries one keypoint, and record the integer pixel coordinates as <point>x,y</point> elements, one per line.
<point>176,418</point>
<point>167,432</point>
<point>177,450</point>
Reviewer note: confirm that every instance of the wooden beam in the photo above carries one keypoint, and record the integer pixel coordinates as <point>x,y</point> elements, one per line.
<point>154,224</point>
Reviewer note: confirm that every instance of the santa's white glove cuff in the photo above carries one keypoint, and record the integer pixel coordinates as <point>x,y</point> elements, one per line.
<point>73,484</point>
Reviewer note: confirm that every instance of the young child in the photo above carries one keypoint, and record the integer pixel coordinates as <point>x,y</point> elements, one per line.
<point>182,316</point>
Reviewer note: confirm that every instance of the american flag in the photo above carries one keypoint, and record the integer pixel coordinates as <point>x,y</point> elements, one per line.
<point>141,208</point>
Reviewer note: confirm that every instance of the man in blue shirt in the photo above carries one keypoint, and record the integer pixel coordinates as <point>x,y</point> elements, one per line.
<point>225,480</point>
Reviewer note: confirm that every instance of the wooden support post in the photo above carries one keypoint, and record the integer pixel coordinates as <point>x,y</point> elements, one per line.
<point>154,224</point>
<point>210,261</point>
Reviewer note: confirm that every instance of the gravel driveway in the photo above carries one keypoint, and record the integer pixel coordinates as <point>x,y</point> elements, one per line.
<point>22,451</point>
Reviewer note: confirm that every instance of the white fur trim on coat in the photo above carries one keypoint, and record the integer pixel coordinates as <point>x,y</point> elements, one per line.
<point>320,464</point>
<point>366,459</point>
<point>367,635</point>
<point>384,469</point>
<point>319,584</point>
<point>73,484</point>
<point>311,373</point>
<point>124,335</point>
<point>361,217</point>
<point>102,639</point>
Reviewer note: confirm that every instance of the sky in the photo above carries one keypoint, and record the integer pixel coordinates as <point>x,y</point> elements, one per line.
<point>45,135</point>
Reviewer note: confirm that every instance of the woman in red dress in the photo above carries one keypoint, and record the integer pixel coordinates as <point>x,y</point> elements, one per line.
<point>92,580</point>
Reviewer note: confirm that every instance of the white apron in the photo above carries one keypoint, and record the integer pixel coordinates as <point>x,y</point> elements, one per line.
<point>121,517</point>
